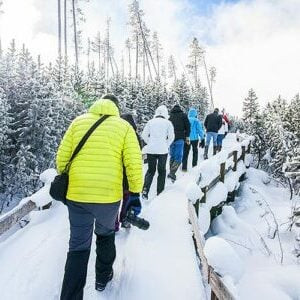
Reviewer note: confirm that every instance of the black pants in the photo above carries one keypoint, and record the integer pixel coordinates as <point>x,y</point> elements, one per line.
<point>160,161</point>
<point>82,217</point>
<point>186,151</point>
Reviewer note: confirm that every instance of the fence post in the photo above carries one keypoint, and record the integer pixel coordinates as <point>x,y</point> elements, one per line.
<point>249,148</point>
<point>235,160</point>
<point>222,171</point>
<point>196,206</point>
<point>204,191</point>
<point>243,153</point>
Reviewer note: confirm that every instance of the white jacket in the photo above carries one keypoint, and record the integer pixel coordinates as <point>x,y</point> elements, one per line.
<point>158,132</point>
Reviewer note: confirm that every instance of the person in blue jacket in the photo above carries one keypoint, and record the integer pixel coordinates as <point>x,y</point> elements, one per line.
<point>197,132</point>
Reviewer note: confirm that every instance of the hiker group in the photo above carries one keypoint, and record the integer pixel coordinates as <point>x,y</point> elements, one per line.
<point>105,176</point>
<point>176,134</point>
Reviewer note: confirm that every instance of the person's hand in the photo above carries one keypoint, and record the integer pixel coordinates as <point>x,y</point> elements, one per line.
<point>188,141</point>
<point>134,203</point>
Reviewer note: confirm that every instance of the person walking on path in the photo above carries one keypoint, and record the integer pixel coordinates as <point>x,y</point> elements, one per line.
<point>212,124</point>
<point>158,135</point>
<point>126,193</point>
<point>95,189</point>
<point>221,135</point>
<point>181,125</point>
<point>197,132</point>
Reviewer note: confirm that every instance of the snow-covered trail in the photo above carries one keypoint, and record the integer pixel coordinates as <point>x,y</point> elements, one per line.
<point>156,264</point>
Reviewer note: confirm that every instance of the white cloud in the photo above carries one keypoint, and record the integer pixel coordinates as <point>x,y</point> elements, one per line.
<point>252,43</point>
<point>255,44</point>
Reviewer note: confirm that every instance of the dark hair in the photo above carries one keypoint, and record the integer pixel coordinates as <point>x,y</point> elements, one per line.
<point>111,97</point>
<point>216,110</point>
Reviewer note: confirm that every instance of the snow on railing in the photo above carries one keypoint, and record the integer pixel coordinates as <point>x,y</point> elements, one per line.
<point>217,183</point>
<point>39,200</point>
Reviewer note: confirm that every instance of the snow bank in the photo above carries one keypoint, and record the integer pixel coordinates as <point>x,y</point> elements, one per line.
<point>42,196</point>
<point>232,228</point>
<point>209,170</point>
<point>240,169</point>
<point>204,218</point>
<point>232,181</point>
<point>216,195</point>
<point>194,192</point>
<point>222,257</point>
<point>248,159</point>
<point>48,175</point>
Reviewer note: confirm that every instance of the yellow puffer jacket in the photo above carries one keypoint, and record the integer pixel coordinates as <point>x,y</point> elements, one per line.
<point>96,173</point>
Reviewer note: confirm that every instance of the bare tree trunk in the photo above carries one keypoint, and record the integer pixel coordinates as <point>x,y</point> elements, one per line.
<point>196,72</point>
<point>129,60</point>
<point>88,56</point>
<point>209,83</point>
<point>144,67</point>
<point>158,62</point>
<point>99,51</point>
<point>75,36</point>
<point>137,58</point>
<point>65,30</point>
<point>146,46</point>
<point>59,27</point>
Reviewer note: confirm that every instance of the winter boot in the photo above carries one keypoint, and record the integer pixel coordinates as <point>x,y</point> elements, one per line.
<point>145,194</point>
<point>106,254</point>
<point>173,170</point>
<point>220,148</point>
<point>215,150</point>
<point>205,156</point>
<point>100,286</point>
<point>75,275</point>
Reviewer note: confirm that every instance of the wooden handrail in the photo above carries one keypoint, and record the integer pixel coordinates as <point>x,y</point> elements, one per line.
<point>10,219</point>
<point>219,291</point>
<point>218,288</point>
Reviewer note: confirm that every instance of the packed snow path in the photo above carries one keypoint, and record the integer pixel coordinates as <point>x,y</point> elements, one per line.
<point>156,264</point>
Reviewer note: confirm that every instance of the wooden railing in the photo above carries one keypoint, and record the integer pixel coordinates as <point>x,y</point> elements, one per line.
<point>218,288</point>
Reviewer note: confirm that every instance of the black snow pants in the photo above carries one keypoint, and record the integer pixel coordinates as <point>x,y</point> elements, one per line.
<point>186,151</point>
<point>82,217</point>
<point>159,160</point>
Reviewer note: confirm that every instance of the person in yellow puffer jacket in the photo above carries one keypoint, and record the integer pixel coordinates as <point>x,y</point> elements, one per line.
<point>95,190</point>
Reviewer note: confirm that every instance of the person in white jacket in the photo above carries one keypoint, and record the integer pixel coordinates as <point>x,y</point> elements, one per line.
<point>221,134</point>
<point>158,135</point>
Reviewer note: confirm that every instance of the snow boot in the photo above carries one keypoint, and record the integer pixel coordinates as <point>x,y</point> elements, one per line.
<point>75,275</point>
<point>215,150</point>
<point>205,155</point>
<point>106,254</point>
<point>174,167</point>
<point>100,286</point>
<point>145,194</point>
<point>220,148</point>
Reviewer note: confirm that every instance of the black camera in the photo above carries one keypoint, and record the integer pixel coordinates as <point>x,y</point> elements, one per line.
<point>137,221</point>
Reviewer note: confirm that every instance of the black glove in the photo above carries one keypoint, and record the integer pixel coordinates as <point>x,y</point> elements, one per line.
<point>134,203</point>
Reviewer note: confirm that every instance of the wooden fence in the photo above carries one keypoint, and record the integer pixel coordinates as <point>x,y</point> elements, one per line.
<point>218,288</point>
<point>10,219</point>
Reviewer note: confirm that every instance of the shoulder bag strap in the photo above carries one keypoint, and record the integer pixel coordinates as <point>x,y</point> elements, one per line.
<point>84,139</point>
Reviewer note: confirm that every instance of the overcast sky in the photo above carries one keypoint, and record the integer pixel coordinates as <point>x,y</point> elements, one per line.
<point>252,43</point>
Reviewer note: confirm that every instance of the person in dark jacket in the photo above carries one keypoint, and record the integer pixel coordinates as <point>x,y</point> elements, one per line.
<point>126,193</point>
<point>212,124</point>
<point>181,126</point>
<point>197,132</point>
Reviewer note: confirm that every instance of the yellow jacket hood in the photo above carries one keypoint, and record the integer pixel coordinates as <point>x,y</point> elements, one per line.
<point>104,107</point>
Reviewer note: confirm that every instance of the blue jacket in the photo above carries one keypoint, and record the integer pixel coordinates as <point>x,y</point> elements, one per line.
<point>196,126</point>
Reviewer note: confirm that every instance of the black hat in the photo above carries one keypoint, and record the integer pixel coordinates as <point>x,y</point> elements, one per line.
<point>111,97</point>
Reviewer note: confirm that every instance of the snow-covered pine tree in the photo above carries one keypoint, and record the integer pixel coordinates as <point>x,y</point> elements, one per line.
<point>182,90</point>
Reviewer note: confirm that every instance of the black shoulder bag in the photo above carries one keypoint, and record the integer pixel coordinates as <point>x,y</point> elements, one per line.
<point>59,185</point>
